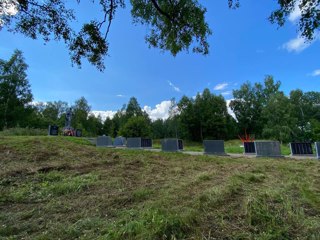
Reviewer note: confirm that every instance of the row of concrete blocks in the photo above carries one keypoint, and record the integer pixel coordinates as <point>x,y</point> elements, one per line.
<point>106,141</point>
<point>273,149</point>
<point>211,147</point>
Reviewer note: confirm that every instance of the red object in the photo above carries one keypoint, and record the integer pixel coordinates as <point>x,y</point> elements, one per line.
<point>246,137</point>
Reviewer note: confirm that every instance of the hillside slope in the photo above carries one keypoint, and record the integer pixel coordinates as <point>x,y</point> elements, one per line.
<point>59,187</point>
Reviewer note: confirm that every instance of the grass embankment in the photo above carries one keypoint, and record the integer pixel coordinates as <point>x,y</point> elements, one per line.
<point>55,187</point>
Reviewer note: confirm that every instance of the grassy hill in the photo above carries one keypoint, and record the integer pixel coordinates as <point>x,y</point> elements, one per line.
<point>59,187</point>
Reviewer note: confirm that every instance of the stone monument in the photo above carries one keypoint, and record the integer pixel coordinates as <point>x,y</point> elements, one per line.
<point>104,141</point>
<point>171,145</point>
<point>119,142</point>
<point>138,142</point>
<point>317,144</point>
<point>214,147</point>
<point>53,130</point>
<point>68,130</point>
<point>267,149</point>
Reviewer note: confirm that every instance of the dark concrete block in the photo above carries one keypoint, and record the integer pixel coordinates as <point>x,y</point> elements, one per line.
<point>249,148</point>
<point>53,130</point>
<point>104,141</point>
<point>215,147</point>
<point>180,143</point>
<point>78,133</point>
<point>171,145</point>
<point>317,144</point>
<point>301,148</point>
<point>139,142</point>
<point>267,149</point>
<point>134,142</point>
<point>146,143</point>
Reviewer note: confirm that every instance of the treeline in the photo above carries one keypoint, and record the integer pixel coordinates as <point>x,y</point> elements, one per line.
<point>264,110</point>
<point>260,109</point>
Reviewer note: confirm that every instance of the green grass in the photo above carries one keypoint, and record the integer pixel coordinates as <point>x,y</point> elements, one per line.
<point>17,131</point>
<point>65,188</point>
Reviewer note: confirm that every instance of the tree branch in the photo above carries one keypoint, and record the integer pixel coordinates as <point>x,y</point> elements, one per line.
<point>155,4</point>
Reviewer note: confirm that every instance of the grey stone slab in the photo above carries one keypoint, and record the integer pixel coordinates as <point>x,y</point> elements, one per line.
<point>53,130</point>
<point>171,145</point>
<point>214,147</point>
<point>267,149</point>
<point>119,142</point>
<point>104,141</point>
<point>301,148</point>
<point>317,144</point>
<point>134,142</point>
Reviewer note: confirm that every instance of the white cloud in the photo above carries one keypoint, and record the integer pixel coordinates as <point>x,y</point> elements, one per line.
<point>8,8</point>
<point>296,14</point>
<point>220,86</point>
<point>315,73</point>
<point>161,111</point>
<point>120,95</point>
<point>37,103</point>
<point>226,93</point>
<point>297,44</point>
<point>104,114</point>
<point>174,87</point>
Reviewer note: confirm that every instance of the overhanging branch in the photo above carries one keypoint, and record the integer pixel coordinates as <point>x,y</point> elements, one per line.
<point>156,5</point>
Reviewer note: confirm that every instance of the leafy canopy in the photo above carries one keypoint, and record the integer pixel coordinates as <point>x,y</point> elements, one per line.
<point>15,92</point>
<point>173,25</point>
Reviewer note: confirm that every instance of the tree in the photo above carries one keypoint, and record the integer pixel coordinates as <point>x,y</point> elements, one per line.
<point>136,126</point>
<point>187,117</point>
<point>133,108</point>
<point>94,125</point>
<point>15,92</point>
<point>107,126</point>
<point>249,102</point>
<point>280,124</point>
<point>306,111</point>
<point>174,25</point>
<point>118,120</point>
<point>158,129</point>
<point>52,112</point>
<point>211,113</point>
<point>173,111</point>
<point>80,111</point>
<point>204,117</point>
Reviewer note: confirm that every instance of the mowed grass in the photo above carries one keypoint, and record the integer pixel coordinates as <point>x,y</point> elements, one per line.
<point>64,188</point>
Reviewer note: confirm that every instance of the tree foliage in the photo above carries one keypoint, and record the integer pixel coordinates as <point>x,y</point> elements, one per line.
<point>260,108</point>
<point>173,25</point>
<point>136,126</point>
<point>80,113</point>
<point>204,117</point>
<point>279,123</point>
<point>15,92</point>
<point>249,102</point>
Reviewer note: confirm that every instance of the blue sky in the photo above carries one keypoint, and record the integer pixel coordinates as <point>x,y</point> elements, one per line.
<point>244,47</point>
